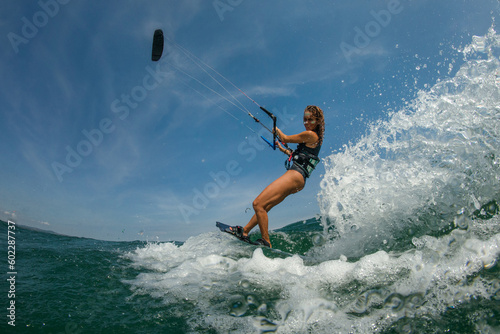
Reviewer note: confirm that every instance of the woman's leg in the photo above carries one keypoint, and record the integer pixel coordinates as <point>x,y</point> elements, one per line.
<point>289,183</point>
<point>251,224</point>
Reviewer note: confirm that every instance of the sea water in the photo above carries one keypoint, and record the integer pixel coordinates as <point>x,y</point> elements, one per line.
<point>408,241</point>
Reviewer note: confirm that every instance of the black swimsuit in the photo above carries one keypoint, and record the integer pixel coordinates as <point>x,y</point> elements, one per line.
<point>304,159</point>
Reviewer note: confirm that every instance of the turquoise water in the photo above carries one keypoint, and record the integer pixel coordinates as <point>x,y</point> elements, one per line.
<point>408,241</point>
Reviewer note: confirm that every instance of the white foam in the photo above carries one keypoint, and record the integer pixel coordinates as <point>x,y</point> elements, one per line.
<point>289,296</point>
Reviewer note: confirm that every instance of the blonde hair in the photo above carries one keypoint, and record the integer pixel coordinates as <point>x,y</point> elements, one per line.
<point>317,113</point>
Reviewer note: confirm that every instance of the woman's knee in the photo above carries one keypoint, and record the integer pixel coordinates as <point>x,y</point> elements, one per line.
<point>258,205</point>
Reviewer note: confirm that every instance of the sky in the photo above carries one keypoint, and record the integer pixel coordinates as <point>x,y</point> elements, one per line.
<point>98,141</point>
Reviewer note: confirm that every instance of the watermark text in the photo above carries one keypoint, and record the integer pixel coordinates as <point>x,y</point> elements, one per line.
<point>121,108</point>
<point>372,29</point>
<point>248,150</point>
<point>12,273</point>
<point>223,6</point>
<point>30,28</point>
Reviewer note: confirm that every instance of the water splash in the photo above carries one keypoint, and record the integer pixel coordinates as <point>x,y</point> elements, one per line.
<point>432,163</point>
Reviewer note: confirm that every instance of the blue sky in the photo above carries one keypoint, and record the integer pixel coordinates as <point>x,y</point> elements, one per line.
<point>158,157</point>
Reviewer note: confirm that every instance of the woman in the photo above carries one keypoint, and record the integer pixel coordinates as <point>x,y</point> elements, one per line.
<point>304,159</point>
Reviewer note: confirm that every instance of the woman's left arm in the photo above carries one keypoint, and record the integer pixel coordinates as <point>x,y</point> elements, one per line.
<point>306,137</point>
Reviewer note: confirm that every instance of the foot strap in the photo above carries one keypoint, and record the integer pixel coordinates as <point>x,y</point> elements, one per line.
<point>235,230</point>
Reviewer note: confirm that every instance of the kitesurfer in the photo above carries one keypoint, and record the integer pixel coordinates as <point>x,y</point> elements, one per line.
<point>301,162</point>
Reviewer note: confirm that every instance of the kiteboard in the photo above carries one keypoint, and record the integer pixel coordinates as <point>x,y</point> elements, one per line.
<point>227,229</point>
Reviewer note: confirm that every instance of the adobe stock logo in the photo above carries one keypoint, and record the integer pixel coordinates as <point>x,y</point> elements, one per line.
<point>248,150</point>
<point>372,29</point>
<point>222,6</point>
<point>120,108</point>
<point>30,28</point>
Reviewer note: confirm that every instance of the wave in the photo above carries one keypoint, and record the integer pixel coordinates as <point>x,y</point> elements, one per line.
<point>218,283</point>
<point>425,170</point>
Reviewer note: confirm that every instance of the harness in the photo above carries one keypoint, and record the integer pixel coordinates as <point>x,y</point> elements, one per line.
<point>304,158</point>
